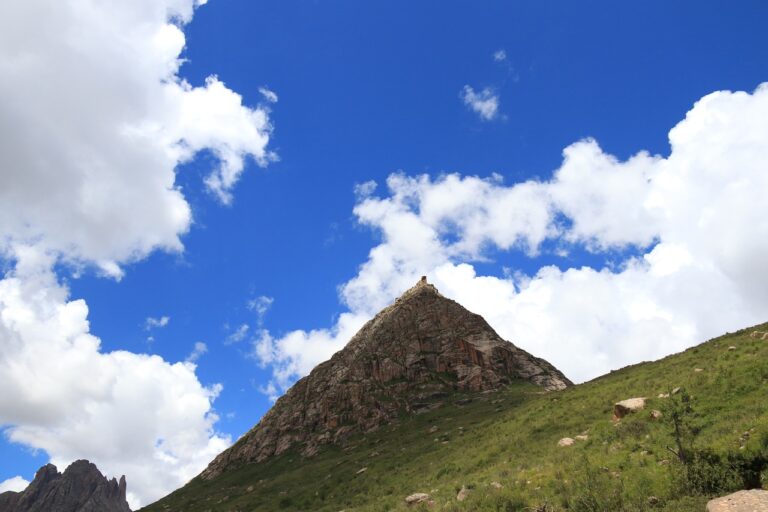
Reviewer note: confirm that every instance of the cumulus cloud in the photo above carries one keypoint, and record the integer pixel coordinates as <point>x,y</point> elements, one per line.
<point>15,484</point>
<point>95,121</point>
<point>695,221</point>
<point>131,414</point>
<point>500,55</point>
<point>484,103</point>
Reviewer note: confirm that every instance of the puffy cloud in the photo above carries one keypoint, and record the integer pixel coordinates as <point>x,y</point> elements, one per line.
<point>484,103</point>
<point>15,484</point>
<point>295,354</point>
<point>131,414</point>
<point>95,121</point>
<point>695,221</point>
<point>500,55</point>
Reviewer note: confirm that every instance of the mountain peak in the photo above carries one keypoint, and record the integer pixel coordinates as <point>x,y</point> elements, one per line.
<point>81,487</point>
<point>408,358</point>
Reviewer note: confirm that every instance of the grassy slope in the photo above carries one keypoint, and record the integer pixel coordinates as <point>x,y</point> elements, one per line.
<point>511,437</point>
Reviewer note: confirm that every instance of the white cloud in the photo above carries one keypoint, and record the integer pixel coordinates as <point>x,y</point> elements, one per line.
<point>500,55</point>
<point>198,350</point>
<point>15,484</point>
<point>260,305</point>
<point>95,121</point>
<point>238,335</point>
<point>270,96</point>
<point>152,322</point>
<point>696,218</point>
<point>484,103</point>
<point>131,414</point>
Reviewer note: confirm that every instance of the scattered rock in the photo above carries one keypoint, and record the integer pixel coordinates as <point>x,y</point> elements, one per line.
<point>496,485</point>
<point>676,391</point>
<point>697,370</point>
<point>249,488</point>
<point>416,498</point>
<point>582,437</point>
<point>656,414</point>
<point>628,406</point>
<point>653,501</point>
<point>663,395</point>
<point>755,500</point>
<point>361,470</point>
<point>433,429</point>
<point>566,441</point>
<point>463,494</point>
<point>759,335</point>
<point>731,348</point>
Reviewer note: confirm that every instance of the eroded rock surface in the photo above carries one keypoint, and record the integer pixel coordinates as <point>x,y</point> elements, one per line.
<point>407,358</point>
<point>81,488</point>
<point>755,500</point>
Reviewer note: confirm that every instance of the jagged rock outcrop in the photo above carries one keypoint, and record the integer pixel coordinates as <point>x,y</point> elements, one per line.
<point>409,357</point>
<point>81,488</point>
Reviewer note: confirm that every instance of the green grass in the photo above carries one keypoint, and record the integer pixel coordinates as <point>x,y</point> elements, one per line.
<point>510,437</point>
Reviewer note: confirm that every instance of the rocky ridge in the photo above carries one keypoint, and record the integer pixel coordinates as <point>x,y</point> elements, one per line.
<point>81,488</point>
<point>410,357</point>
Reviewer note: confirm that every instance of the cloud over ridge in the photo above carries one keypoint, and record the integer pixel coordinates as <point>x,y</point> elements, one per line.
<point>695,222</point>
<point>96,120</point>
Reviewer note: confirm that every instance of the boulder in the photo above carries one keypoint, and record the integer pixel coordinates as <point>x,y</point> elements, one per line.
<point>628,406</point>
<point>754,500</point>
<point>416,498</point>
<point>566,441</point>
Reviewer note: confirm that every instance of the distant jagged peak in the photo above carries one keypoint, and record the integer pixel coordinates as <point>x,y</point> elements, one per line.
<point>81,488</point>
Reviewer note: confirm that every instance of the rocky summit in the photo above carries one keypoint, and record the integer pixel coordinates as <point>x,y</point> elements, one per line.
<point>411,357</point>
<point>81,488</point>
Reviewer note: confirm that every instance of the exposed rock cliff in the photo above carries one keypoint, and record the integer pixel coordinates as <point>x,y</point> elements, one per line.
<point>407,358</point>
<point>81,488</point>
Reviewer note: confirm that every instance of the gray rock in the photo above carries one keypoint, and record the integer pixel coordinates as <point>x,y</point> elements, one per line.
<point>742,501</point>
<point>81,488</point>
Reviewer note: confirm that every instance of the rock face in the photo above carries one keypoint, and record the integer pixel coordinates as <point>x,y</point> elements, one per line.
<point>409,357</point>
<point>81,488</point>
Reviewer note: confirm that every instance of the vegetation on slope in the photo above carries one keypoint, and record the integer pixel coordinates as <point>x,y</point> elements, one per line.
<point>503,447</point>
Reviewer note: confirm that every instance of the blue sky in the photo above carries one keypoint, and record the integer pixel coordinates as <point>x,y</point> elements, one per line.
<point>368,89</point>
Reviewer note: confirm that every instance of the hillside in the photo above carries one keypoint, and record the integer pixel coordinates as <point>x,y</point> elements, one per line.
<point>510,437</point>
